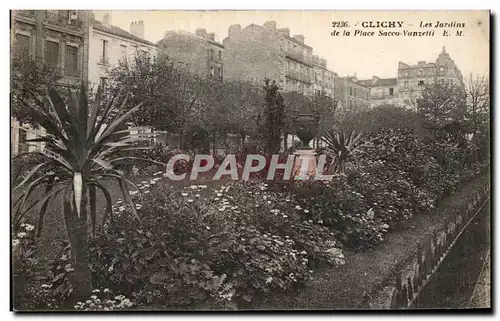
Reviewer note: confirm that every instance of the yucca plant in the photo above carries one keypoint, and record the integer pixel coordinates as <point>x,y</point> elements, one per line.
<point>81,146</point>
<point>342,145</point>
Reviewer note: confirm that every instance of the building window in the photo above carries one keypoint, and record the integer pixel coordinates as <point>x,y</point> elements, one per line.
<point>212,71</point>
<point>104,52</point>
<point>350,103</point>
<point>103,81</point>
<point>350,91</point>
<point>420,82</point>
<point>22,44</point>
<point>391,91</point>
<point>406,84</point>
<point>123,53</point>
<point>23,146</point>
<point>71,60</point>
<point>52,54</point>
<point>220,55</point>
<point>211,54</point>
<point>354,92</point>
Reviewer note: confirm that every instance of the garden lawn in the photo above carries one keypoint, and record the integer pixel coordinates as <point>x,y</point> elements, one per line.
<point>368,272</point>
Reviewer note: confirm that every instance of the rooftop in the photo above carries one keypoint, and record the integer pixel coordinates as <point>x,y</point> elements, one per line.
<point>97,25</point>
<point>189,34</point>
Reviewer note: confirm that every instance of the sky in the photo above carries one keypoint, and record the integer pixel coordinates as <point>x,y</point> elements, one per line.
<point>347,56</point>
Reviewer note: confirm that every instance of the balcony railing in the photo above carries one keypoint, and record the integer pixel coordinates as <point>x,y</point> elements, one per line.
<point>104,61</point>
<point>63,20</point>
<point>298,56</point>
<point>26,13</point>
<point>299,76</point>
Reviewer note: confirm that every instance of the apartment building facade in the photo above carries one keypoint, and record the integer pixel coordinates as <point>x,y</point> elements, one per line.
<point>258,52</point>
<point>352,93</point>
<point>59,38</point>
<point>412,79</point>
<point>383,91</point>
<point>324,79</point>
<point>196,53</point>
<point>110,45</point>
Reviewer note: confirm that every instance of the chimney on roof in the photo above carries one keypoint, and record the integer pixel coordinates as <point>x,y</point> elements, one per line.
<point>211,36</point>
<point>299,38</point>
<point>270,25</point>
<point>322,62</point>
<point>234,29</point>
<point>201,32</point>
<point>106,18</point>
<point>137,28</point>
<point>285,31</point>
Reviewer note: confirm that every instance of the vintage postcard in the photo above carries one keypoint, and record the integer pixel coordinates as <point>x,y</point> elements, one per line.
<point>250,160</point>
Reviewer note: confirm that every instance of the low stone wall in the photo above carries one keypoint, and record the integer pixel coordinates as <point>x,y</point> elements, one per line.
<point>411,278</point>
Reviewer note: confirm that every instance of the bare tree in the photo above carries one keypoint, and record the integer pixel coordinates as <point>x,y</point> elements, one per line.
<point>478,98</point>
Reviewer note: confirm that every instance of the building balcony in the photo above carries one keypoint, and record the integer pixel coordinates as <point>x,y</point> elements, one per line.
<point>299,76</point>
<point>299,56</point>
<point>63,20</point>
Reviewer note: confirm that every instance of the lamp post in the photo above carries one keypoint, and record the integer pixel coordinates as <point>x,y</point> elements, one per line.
<point>306,127</point>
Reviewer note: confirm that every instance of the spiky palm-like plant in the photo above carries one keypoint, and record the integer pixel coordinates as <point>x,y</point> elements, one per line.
<point>342,145</point>
<point>81,146</point>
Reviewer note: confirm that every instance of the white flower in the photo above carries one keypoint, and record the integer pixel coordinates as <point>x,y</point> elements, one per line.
<point>306,211</point>
<point>219,194</point>
<point>190,201</point>
<point>285,216</point>
<point>268,202</point>
<point>157,173</point>
<point>96,291</point>
<point>320,222</point>
<point>298,207</point>
<point>193,187</point>
<point>29,227</point>
<point>110,268</point>
<point>269,279</point>
<point>197,195</point>
<point>15,242</point>
<point>146,192</point>
<point>385,226</point>
<point>208,227</point>
<point>202,186</point>
<point>138,206</point>
<point>21,235</point>
<point>45,286</point>
<point>184,194</point>
<point>216,199</point>
<point>121,208</point>
<point>93,297</point>
<point>133,192</point>
<point>106,290</point>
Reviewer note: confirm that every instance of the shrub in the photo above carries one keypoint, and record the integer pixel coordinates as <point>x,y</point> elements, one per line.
<point>338,205</point>
<point>216,246</point>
